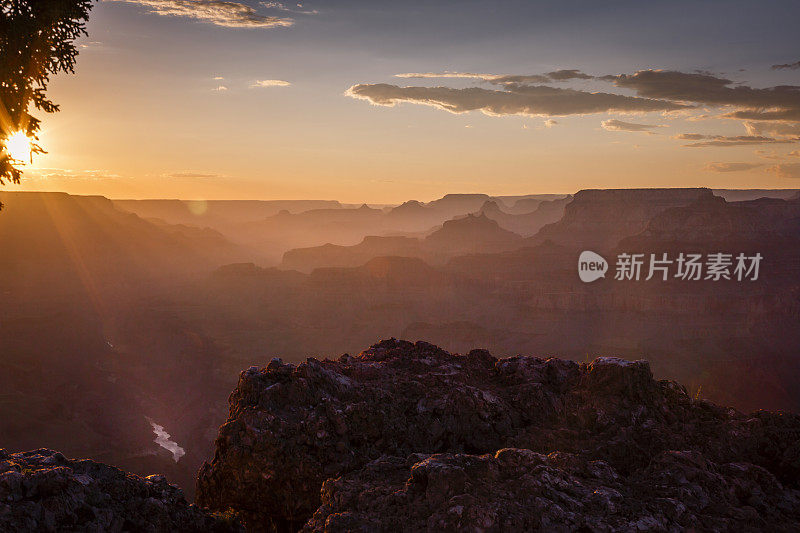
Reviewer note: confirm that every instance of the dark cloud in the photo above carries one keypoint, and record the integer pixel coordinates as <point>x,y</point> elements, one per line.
<point>218,12</point>
<point>791,115</point>
<point>515,100</point>
<point>787,66</point>
<point>776,104</point>
<point>708,89</point>
<point>525,79</point>
<point>773,111</point>
<point>619,125</point>
<point>730,167</point>
<point>723,140</point>
<point>570,74</point>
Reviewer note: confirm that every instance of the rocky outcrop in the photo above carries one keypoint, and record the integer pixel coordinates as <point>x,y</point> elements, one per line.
<point>520,490</point>
<point>42,490</point>
<point>601,445</point>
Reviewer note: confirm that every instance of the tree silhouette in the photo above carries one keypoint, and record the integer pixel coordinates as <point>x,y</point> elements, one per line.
<point>37,39</point>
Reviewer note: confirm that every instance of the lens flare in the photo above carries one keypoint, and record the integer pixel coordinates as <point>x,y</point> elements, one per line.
<point>18,146</point>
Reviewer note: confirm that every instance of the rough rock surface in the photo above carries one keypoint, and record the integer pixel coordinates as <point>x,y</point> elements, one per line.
<point>520,490</point>
<point>368,423</point>
<point>41,490</point>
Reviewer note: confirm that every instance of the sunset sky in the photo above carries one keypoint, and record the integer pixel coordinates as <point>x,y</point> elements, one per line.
<point>366,101</point>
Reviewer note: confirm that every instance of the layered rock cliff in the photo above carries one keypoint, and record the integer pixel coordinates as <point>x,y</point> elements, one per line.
<point>410,437</point>
<point>598,219</point>
<point>527,223</point>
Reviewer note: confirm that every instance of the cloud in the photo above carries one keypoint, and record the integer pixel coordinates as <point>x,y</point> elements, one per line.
<point>514,100</point>
<point>619,125</point>
<point>270,83</point>
<point>701,87</point>
<point>497,79</point>
<point>218,78</point>
<point>774,129</point>
<point>794,153</point>
<point>505,79</point>
<point>282,7</point>
<point>785,170</point>
<point>730,167</point>
<point>218,12</point>
<point>192,175</point>
<point>774,111</point>
<point>568,74</point>
<point>707,89</point>
<point>549,123</point>
<point>43,174</point>
<point>780,103</point>
<point>769,154</point>
<point>787,66</point>
<point>220,89</point>
<point>791,115</point>
<point>694,136</point>
<point>724,140</point>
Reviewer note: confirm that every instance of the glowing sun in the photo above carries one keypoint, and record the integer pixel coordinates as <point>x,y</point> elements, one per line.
<point>18,146</point>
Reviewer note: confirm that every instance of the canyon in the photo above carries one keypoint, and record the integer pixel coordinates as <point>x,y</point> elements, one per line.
<point>112,318</point>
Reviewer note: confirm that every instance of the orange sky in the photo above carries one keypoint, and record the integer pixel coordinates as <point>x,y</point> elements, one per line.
<point>145,116</point>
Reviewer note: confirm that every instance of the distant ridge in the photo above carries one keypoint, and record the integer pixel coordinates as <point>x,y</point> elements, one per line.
<point>200,212</point>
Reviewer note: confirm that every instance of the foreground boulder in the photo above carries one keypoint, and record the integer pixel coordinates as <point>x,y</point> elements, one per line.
<point>42,490</point>
<point>520,490</point>
<point>369,423</point>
